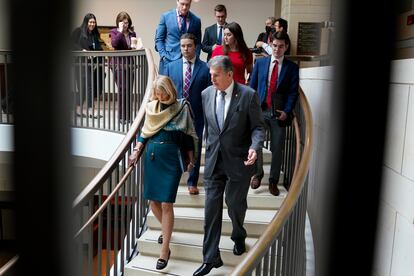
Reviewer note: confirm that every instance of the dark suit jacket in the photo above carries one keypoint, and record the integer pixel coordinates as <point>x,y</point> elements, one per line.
<point>167,35</point>
<point>243,129</point>
<point>90,43</point>
<point>287,82</point>
<point>200,80</point>
<point>209,39</point>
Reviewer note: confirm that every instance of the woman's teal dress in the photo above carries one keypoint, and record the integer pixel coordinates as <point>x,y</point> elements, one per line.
<point>163,164</point>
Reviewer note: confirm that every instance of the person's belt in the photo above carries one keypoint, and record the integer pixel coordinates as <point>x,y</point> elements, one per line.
<point>162,142</point>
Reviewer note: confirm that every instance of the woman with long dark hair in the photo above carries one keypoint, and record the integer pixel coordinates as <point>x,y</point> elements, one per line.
<point>88,71</point>
<point>236,49</point>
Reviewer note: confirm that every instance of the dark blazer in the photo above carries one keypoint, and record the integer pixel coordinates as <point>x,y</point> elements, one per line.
<point>90,42</point>
<point>200,80</point>
<point>167,35</point>
<point>209,39</point>
<point>287,82</point>
<point>118,40</point>
<point>243,129</point>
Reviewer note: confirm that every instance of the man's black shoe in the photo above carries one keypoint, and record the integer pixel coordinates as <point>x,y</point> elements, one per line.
<point>205,268</point>
<point>239,248</point>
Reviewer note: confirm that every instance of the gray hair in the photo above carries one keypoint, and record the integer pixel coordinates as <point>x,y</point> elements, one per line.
<point>222,62</point>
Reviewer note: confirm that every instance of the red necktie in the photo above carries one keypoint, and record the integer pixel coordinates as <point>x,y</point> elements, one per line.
<point>273,84</point>
<point>187,81</point>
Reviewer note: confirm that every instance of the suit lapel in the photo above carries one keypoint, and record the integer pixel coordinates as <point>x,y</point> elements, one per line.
<point>267,65</point>
<point>179,76</point>
<point>282,72</point>
<point>212,98</point>
<point>233,105</point>
<point>214,34</point>
<point>195,71</point>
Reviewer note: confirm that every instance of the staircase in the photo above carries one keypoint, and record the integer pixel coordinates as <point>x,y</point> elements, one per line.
<point>187,238</point>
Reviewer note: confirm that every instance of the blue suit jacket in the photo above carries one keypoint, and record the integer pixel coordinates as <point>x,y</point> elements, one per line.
<point>287,82</point>
<point>200,80</point>
<point>167,36</point>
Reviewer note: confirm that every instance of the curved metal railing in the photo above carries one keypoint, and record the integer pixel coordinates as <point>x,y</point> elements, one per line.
<point>111,211</point>
<point>280,250</point>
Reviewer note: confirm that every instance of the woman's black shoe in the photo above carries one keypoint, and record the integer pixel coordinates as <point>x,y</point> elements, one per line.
<point>161,263</point>
<point>160,239</point>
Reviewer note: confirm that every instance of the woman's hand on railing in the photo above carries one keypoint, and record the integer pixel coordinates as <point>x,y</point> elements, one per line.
<point>136,153</point>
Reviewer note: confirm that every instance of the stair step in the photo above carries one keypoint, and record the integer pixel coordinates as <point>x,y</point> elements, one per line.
<point>192,220</point>
<point>144,265</point>
<point>189,246</point>
<point>257,199</point>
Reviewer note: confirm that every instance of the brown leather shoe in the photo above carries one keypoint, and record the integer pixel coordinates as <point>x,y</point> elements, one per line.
<point>273,189</point>
<point>193,190</point>
<point>255,182</point>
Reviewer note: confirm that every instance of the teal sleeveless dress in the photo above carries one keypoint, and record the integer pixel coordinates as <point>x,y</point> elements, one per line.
<point>163,164</point>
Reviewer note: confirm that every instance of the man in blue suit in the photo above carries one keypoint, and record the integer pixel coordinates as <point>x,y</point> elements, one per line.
<point>276,80</point>
<point>172,25</point>
<point>191,76</point>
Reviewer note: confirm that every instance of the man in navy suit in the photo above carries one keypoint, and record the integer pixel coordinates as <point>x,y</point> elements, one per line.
<point>191,76</point>
<point>278,92</point>
<point>172,25</point>
<point>213,35</point>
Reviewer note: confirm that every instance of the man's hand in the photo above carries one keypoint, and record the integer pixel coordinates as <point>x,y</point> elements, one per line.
<point>251,158</point>
<point>282,116</point>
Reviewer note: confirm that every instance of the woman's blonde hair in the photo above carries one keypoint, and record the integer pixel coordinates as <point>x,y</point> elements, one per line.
<point>165,85</point>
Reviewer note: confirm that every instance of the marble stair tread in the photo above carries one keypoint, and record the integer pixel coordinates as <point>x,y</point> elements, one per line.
<point>192,220</point>
<point>257,199</point>
<point>143,265</point>
<point>189,246</point>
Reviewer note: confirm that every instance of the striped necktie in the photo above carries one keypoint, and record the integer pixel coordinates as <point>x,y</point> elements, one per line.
<point>187,80</point>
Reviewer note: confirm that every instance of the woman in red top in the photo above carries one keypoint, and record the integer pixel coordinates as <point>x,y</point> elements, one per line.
<point>236,49</point>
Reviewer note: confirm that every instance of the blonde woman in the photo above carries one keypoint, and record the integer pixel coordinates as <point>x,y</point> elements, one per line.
<point>171,145</point>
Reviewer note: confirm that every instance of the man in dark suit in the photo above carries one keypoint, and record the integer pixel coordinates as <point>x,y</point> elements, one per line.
<point>266,36</point>
<point>234,132</point>
<point>213,35</point>
<point>172,25</point>
<point>276,80</point>
<point>190,76</point>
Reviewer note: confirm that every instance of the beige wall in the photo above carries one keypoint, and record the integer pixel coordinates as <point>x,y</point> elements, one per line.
<point>4,25</point>
<point>146,15</point>
<point>295,11</point>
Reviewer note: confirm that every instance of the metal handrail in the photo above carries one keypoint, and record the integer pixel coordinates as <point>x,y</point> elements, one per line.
<point>272,239</point>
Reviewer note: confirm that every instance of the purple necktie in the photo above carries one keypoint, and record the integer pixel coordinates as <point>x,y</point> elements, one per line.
<point>187,81</point>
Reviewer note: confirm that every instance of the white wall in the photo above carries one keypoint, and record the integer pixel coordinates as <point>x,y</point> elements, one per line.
<point>395,240</point>
<point>90,149</point>
<point>395,252</point>
<point>251,15</point>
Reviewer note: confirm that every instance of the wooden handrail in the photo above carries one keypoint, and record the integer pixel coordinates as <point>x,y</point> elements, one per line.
<point>5,268</point>
<point>255,254</point>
